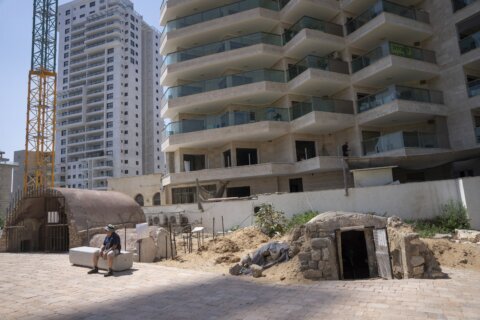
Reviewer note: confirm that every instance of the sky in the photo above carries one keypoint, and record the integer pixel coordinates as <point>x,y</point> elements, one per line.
<point>15,39</point>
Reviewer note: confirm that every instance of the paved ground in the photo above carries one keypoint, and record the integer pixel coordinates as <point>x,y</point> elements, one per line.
<point>39,286</point>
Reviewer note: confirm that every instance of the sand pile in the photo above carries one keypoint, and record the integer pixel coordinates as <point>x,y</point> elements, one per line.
<point>456,255</point>
<point>223,245</point>
<point>248,238</point>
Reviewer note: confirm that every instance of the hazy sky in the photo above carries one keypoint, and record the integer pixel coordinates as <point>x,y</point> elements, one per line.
<point>15,39</point>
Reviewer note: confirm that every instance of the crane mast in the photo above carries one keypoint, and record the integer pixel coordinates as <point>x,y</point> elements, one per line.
<point>41,107</point>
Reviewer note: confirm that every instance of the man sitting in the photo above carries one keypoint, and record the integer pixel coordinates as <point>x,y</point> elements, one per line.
<point>111,248</point>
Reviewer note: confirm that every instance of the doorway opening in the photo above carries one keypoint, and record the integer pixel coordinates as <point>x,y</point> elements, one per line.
<point>354,257</point>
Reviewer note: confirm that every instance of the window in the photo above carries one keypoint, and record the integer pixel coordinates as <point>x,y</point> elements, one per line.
<point>109,134</point>
<point>65,63</point>
<point>296,185</point>
<point>156,199</point>
<point>67,21</point>
<point>110,87</point>
<point>110,77</point>
<point>82,15</point>
<point>109,68</point>
<point>67,38</point>
<point>66,47</point>
<point>188,195</point>
<point>246,157</point>
<point>138,197</point>
<point>110,105</point>
<point>65,55</point>
<point>109,144</point>
<point>305,150</point>
<point>193,162</point>
<point>238,192</point>
<point>110,96</point>
<point>92,4</point>
<point>67,31</point>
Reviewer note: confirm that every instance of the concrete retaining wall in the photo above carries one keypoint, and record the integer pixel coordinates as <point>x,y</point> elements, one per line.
<point>408,201</point>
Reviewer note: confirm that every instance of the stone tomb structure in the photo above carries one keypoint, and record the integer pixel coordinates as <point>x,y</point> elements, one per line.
<point>343,245</point>
<point>54,220</point>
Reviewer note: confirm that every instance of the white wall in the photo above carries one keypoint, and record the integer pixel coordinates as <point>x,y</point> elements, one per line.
<point>408,201</point>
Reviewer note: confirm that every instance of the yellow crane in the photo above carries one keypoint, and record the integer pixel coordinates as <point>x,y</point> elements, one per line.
<point>41,108</point>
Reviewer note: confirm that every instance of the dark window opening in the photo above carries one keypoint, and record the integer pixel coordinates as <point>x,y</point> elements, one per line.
<point>227,159</point>
<point>296,185</point>
<point>193,162</point>
<point>246,157</point>
<point>188,194</point>
<point>238,192</point>
<point>156,199</point>
<point>305,150</point>
<point>354,255</point>
<point>139,199</point>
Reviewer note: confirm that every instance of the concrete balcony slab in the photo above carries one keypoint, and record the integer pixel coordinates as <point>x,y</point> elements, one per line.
<point>317,82</point>
<point>313,42</point>
<point>394,69</point>
<point>318,122</point>
<point>399,112</point>
<point>320,9</point>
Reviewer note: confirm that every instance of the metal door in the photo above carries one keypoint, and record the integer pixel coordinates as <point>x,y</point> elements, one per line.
<point>380,238</point>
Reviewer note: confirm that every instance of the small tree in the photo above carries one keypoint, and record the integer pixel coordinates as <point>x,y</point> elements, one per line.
<point>269,220</point>
<point>454,216</point>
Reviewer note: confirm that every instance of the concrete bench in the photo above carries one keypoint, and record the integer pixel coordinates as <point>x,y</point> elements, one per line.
<point>83,256</point>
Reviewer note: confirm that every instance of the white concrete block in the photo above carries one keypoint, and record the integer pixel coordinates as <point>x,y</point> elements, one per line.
<point>83,256</point>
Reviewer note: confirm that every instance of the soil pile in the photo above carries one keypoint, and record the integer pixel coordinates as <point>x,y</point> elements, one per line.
<point>248,238</point>
<point>223,245</point>
<point>456,255</point>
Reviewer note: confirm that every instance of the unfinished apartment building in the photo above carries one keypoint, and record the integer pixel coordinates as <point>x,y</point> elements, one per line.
<point>264,93</point>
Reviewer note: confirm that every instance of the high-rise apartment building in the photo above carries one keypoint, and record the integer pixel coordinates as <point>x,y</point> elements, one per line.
<point>265,94</point>
<point>108,106</point>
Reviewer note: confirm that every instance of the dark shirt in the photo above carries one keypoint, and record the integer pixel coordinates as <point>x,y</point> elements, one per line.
<point>345,150</point>
<point>109,242</point>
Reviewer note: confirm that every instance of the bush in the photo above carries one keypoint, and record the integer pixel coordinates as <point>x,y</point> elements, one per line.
<point>453,216</point>
<point>300,219</point>
<point>269,220</point>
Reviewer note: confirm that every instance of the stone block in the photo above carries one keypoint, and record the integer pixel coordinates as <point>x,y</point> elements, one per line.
<point>322,265</point>
<point>256,270</point>
<point>316,255</point>
<point>313,265</point>
<point>319,243</point>
<point>83,256</point>
<point>325,254</point>
<point>312,274</point>
<point>467,235</point>
<point>146,250</point>
<point>164,247</point>
<point>304,256</point>
<point>416,261</point>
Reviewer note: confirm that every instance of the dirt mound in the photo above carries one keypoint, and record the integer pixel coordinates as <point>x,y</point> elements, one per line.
<point>223,245</point>
<point>457,255</point>
<point>248,238</point>
<point>229,258</point>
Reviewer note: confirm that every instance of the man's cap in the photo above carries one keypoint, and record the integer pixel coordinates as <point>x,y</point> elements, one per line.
<point>110,228</point>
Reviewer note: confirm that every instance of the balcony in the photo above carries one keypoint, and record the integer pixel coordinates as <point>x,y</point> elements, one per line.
<point>257,87</point>
<point>460,4</point>
<point>215,130</point>
<point>318,76</point>
<point>400,105</point>
<point>322,9</point>
<point>242,17</point>
<point>473,88</point>
<point>319,116</point>
<point>399,143</point>
<point>470,42</point>
<point>388,20</point>
<point>392,63</point>
<point>313,36</point>
<point>254,50</point>
<point>477,134</point>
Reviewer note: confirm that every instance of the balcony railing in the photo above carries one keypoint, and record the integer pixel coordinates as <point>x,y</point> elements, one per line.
<point>314,24</point>
<point>227,119</point>
<point>300,109</point>
<point>224,82</point>
<point>470,43</point>
<point>222,11</point>
<point>460,4</point>
<point>473,88</point>
<point>477,134</point>
<point>399,140</point>
<point>222,46</point>
<point>399,93</point>
<point>385,6</point>
<point>317,63</point>
<point>392,48</point>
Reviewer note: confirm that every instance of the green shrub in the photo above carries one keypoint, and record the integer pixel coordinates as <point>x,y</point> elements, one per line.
<point>453,216</point>
<point>269,220</point>
<point>300,219</point>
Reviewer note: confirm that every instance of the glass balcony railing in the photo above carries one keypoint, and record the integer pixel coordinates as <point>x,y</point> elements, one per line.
<point>315,62</point>
<point>222,11</point>
<point>399,93</point>
<point>227,119</point>
<point>385,6</point>
<point>473,88</point>
<point>460,4</point>
<point>399,140</point>
<point>223,83</point>
<point>470,43</point>
<point>222,46</point>
<point>477,134</point>
<point>300,109</point>
<point>314,24</point>
<point>392,48</point>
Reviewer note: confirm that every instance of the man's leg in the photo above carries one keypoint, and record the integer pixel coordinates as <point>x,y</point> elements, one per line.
<point>96,256</point>
<point>110,257</point>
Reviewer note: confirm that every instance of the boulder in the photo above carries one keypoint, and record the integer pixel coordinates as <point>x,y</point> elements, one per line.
<point>256,270</point>
<point>164,247</point>
<point>146,250</point>
<point>467,235</point>
<point>236,270</point>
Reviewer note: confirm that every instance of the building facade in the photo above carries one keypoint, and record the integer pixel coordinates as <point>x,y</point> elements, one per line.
<point>6,184</point>
<point>108,101</point>
<point>270,95</point>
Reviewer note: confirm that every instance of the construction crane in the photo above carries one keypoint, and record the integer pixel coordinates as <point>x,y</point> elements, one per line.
<point>40,129</point>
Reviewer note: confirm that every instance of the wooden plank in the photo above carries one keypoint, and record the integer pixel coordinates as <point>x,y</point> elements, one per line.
<point>382,253</point>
